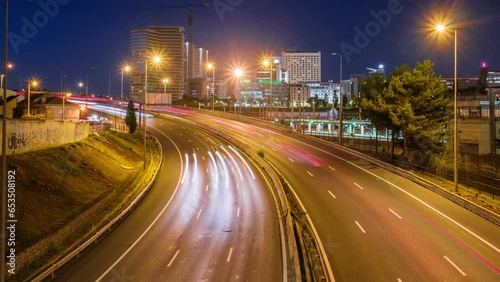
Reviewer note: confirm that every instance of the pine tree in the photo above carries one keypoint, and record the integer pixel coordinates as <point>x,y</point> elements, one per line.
<point>421,100</point>
<point>130,118</point>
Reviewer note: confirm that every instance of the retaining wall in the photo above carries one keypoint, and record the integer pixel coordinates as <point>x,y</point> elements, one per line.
<point>31,135</point>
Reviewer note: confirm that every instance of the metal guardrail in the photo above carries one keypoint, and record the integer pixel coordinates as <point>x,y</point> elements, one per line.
<point>75,253</point>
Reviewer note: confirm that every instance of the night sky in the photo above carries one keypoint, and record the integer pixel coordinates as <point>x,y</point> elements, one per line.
<point>95,33</point>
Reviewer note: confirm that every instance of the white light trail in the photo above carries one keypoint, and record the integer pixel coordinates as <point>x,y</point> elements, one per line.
<point>234,161</point>
<point>216,175</point>
<point>245,162</point>
<point>186,169</point>
<point>226,171</point>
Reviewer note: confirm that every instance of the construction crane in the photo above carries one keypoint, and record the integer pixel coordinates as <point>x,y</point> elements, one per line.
<point>190,34</point>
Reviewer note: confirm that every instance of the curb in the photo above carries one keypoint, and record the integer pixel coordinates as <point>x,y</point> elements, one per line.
<point>50,270</point>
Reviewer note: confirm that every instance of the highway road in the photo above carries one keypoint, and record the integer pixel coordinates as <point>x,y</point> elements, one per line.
<point>209,217</point>
<point>373,224</point>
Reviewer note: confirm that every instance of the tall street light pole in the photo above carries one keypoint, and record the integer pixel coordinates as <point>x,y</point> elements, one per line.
<point>9,66</point>
<point>87,87</point>
<point>125,68</point>
<point>341,102</point>
<point>211,66</point>
<point>156,60</point>
<point>3,205</point>
<point>441,28</point>
<point>65,95</point>
<point>34,83</point>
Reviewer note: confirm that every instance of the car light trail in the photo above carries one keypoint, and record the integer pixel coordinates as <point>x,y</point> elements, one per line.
<point>226,171</point>
<point>195,172</point>
<point>216,175</point>
<point>244,161</point>
<point>234,161</point>
<point>301,154</point>
<point>185,170</point>
<point>457,240</point>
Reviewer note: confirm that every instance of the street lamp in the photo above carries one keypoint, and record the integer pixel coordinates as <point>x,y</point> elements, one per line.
<point>125,69</point>
<point>442,28</point>
<point>211,66</point>
<point>238,73</point>
<point>156,60</point>
<point>30,83</point>
<point>64,98</point>
<point>268,63</point>
<point>165,82</point>
<point>341,101</point>
<point>9,66</point>
<point>87,86</point>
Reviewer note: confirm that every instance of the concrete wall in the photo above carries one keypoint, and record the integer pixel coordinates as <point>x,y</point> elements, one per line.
<point>31,135</point>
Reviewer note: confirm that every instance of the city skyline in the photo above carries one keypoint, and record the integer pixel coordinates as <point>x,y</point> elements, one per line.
<point>74,36</point>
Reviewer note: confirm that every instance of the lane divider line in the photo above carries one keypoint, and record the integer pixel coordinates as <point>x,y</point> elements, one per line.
<point>359,225</point>
<point>229,255</point>
<point>454,265</point>
<point>359,186</point>
<point>395,214</point>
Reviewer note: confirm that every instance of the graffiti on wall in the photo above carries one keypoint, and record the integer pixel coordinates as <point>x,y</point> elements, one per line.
<point>17,141</point>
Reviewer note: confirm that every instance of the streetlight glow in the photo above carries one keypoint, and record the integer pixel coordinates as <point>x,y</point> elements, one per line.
<point>441,28</point>
<point>34,83</point>
<point>156,60</point>
<point>211,66</point>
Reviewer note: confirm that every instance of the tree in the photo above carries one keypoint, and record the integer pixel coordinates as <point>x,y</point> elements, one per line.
<point>376,105</point>
<point>420,106</point>
<point>130,118</point>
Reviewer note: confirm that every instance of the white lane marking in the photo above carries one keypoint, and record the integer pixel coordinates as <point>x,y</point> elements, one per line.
<point>395,214</point>
<point>172,260</point>
<point>238,213</point>
<point>331,168</point>
<point>237,186</point>
<point>274,149</point>
<point>359,225</point>
<point>291,160</point>
<point>358,186</point>
<point>407,193</point>
<point>198,216</point>
<point>197,149</point>
<point>208,171</point>
<point>332,195</point>
<point>189,141</point>
<point>310,174</point>
<point>154,221</point>
<point>399,280</point>
<point>206,189</point>
<point>454,265</point>
<point>229,255</point>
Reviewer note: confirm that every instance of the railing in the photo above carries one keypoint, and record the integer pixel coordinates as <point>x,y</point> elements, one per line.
<point>50,271</point>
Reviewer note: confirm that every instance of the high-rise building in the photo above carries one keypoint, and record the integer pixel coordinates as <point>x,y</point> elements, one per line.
<point>301,66</point>
<point>196,68</point>
<point>326,90</point>
<point>166,41</point>
<point>356,80</point>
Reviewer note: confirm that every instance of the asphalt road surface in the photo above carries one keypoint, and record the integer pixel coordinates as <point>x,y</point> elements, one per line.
<point>373,224</point>
<point>209,217</point>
